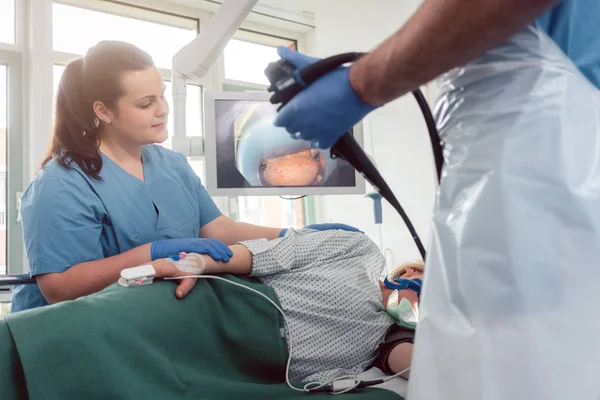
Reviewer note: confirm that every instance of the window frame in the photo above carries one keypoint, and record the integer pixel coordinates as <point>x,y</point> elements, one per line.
<point>135,11</point>
<point>251,36</point>
<point>256,209</point>
<point>31,60</point>
<point>16,28</point>
<point>142,13</point>
<point>12,59</point>
<point>215,78</point>
<point>266,39</point>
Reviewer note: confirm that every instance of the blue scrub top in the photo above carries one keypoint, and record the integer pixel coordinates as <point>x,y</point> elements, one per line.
<point>573,25</point>
<point>70,218</point>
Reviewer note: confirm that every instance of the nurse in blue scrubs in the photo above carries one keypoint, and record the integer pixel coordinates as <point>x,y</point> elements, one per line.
<point>107,197</point>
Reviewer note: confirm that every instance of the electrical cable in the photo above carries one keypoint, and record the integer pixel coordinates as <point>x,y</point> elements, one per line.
<point>434,137</point>
<point>342,385</point>
<point>293,198</point>
<point>287,81</point>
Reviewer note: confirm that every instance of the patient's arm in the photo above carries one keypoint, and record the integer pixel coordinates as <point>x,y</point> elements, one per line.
<point>296,250</point>
<point>400,358</point>
<point>240,263</point>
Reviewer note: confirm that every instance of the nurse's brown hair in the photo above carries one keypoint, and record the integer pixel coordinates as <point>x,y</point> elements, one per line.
<point>96,77</point>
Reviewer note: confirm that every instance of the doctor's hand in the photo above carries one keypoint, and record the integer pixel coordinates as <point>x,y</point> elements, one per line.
<point>324,111</point>
<point>329,226</point>
<point>167,269</point>
<point>216,249</point>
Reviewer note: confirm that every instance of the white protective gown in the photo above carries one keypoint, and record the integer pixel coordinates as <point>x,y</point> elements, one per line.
<point>512,286</point>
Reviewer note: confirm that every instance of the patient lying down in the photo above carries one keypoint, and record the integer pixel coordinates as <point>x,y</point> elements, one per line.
<point>328,285</point>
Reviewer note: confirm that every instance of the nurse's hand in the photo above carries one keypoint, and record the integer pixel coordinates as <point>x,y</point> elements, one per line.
<point>166,269</point>
<point>216,249</point>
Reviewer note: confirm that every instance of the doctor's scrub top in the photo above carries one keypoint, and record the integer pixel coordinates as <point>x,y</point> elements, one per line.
<point>573,25</point>
<point>70,218</point>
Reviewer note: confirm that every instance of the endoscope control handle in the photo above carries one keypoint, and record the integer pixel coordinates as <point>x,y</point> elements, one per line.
<point>282,82</point>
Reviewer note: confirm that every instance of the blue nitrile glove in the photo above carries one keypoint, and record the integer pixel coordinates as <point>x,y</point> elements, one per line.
<point>325,227</point>
<point>325,110</point>
<point>216,249</point>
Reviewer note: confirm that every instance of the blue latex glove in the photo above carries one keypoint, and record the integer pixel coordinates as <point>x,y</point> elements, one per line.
<point>216,249</point>
<point>325,227</point>
<point>324,111</point>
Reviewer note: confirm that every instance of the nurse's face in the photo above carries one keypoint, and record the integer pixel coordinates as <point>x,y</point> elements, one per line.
<point>141,113</point>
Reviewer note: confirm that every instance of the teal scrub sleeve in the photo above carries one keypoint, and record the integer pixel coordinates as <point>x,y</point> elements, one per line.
<point>61,223</point>
<point>207,208</point>
<point>573,25</point>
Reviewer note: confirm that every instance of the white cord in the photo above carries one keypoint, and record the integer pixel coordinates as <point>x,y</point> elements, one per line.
<point>289,339</point>
<point>344,387</point>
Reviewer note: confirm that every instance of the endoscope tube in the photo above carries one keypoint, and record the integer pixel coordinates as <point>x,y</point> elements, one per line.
<point>434,137</point>
<point>287,81</point>
<point>314,71</point>
<point>347,148</point>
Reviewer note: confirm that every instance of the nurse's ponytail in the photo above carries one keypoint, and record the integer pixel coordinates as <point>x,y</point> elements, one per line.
<point>97,77</point>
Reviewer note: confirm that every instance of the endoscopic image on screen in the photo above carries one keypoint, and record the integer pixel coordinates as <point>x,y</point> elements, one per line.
<point>252,152</point>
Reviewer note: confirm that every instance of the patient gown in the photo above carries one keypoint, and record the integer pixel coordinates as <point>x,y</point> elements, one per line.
<point>70,218</point>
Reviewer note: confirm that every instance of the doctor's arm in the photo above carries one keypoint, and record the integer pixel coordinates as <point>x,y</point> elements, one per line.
<point>230,232</point>
<point>442,34</point>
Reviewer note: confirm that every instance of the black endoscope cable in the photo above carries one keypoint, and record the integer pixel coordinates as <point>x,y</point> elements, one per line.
<point>286,81</point>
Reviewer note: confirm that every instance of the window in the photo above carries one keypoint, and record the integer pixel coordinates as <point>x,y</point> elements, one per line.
<point>7,21</point>
<point>193,113</point>
<point>4,309</point>
<point>77,29</point>
<point>2,200</point>
<point>3,141</point>
<point>11,239</point>
<point>251,210</point>
<point>244,61</point>
<point>289,214</point>
<point>193,106</point>
<point>161,39</point>
<point>57,71</point>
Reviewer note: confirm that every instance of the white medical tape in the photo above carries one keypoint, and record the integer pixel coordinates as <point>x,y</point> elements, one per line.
<point>192,263</point>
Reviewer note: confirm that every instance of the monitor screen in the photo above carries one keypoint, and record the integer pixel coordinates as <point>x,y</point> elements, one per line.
<point>247,155</point>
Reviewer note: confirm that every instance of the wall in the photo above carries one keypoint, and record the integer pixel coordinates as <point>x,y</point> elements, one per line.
<point>395,135</point>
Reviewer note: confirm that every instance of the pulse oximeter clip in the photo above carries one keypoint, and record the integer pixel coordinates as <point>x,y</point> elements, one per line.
<point>137,276</point>
<point>146,274</point>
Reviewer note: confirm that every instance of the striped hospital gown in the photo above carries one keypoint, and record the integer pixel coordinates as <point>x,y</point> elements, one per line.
<point>327,283</point>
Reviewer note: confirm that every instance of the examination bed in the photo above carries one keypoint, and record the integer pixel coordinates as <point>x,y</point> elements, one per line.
<point>141,342</point>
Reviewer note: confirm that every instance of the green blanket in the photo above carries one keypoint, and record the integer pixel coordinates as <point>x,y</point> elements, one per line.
<point>221,342</point>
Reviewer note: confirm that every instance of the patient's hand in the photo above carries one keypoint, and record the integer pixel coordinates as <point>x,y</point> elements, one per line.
<point>166,269</point>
